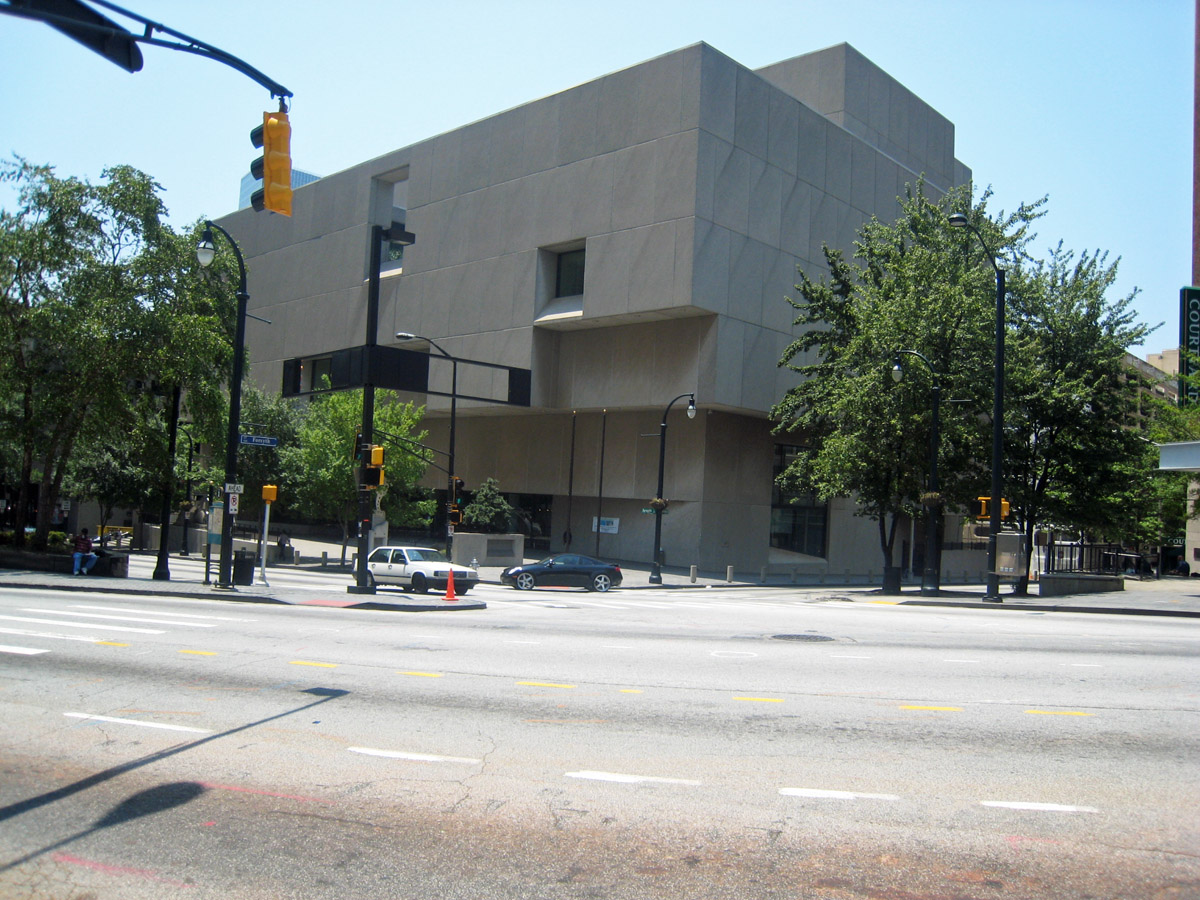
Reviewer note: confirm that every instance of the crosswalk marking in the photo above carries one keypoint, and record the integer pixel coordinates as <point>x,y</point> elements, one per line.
<point>45,635</point>
<point>22,651</point>
<point>173,615</point>
<point>142,618</point>
<point>94,625</point>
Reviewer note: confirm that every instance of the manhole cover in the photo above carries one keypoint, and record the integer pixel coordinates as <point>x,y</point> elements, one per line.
<point>802,637</point>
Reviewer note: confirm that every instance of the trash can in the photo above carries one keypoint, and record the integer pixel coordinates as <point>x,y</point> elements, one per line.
<point>243,567</point>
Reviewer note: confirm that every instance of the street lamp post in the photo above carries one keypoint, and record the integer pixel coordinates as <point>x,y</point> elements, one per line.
<point>187,432</point>
<point>395,233</point>
<point>206,252</point>
<point>931,575</point>
<point>452,489</point>
<point>659,502</point>
<point>958,220</point>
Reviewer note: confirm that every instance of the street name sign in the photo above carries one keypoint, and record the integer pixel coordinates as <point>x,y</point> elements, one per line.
<point>258,440</point>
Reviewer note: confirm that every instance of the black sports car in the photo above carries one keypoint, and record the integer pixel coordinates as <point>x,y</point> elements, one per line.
<point>564,570</point>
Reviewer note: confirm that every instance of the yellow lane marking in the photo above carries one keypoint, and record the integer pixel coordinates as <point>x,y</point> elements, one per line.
<point>421,674</point>
<point>631,691</point>
<point>301,662</point>
<point>199,652</point>
<point>936,708</point>
<point>111,644</point>
<point>885,602</point>
<point>1050,712</point>
<point>760,699</point>
<point>544,684</point>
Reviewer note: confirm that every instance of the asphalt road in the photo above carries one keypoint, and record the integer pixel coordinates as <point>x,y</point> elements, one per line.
<point>640,744</point>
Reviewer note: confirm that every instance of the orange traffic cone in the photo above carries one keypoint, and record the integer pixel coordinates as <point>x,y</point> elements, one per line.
<point>450,587</point>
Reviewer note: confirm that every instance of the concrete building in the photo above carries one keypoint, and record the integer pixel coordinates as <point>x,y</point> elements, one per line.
<point>626,241</point>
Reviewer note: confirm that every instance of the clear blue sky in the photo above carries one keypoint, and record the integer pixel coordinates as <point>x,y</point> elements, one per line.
<point>1087,101</point>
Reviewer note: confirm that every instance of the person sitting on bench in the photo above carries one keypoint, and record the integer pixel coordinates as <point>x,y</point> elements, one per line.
<point>83,552</point>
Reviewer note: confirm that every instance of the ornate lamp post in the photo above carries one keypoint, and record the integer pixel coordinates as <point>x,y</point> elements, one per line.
<point>452,489</point>
<point>931,575</point>
<point>206,252</point>
<point>659,503</point>
<point>958,220</point>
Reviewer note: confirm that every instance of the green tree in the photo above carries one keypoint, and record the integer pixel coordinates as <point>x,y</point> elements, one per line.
<point>328,487</point>
<point>1073,442</point>
<point>488,511</point>
<point>101,318</point>
<point>911,287</point>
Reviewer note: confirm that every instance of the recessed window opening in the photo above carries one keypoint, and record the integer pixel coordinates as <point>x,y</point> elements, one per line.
<point>568,278</point>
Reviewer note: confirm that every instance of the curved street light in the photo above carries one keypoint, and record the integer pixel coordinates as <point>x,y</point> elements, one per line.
<point>206,252</point>
<point>452,489</point>
<point>931,574</point>
<point>659,503</point>
<point>958,220</point>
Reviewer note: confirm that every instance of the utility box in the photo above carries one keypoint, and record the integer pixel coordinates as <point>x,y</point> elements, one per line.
<point>1010,554</point>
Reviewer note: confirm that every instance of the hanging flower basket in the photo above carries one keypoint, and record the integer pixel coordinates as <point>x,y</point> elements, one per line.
<point>932,500</point>
<point>658,503</point>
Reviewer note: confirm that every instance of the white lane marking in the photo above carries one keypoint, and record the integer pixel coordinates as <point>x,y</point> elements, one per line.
<point>1037,807</point>
<point>733,654</point>
<point>1083,665</point>
<point>621,778</point>
<point>521,642</point>
<point>961,660</point>
<point>614,647</point>
<point>66,612</point>
<point>62,623</point>
<point>846,656</point>
<point>414,757</point>
<point>75,715</point>
<point>21,651</point>
<point>173,615</point>
<point>821,794</point>
<point>22,632</point>
<point>593,604</point>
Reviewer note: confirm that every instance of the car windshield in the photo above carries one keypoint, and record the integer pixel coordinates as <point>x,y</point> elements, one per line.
<point>419,554</point>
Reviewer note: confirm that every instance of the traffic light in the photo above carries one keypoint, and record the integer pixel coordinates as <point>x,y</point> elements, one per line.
<point>373,472</point>
<point>356,451</point>
<point>269,493</point>
<point>274,167</point>
<point>458,486</point>
<point>454,514</point>
<point>978,508</point>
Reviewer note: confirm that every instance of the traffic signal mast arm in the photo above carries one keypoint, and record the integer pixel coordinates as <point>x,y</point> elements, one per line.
<point>115,43</point>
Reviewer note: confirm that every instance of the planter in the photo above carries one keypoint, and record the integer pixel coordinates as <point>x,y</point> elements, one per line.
<point>115,565</point>
<point>488,549</point>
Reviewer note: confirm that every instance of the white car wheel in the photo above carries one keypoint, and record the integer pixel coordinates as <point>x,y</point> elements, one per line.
<point>525,582</point>
<point>601,582</point>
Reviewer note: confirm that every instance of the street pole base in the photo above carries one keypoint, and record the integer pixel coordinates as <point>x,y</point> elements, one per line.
<point>225,587</point>
<point>359,589</point>
<point>992,600</point>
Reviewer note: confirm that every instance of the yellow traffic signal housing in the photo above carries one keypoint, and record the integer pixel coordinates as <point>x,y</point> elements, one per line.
<point>373,471</point>
<point>274,167</point>
<point>978,509</point>
<point>269,493</point>
<point>454,515</point>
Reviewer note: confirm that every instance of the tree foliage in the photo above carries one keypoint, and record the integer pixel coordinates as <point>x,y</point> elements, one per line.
<point>102,316</point>
<point>327,489</point>
<point>913,285</point>
<point>488,511</point>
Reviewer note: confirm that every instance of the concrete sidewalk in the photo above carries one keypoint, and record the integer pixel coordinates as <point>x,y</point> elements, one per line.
<point>1171,596</point>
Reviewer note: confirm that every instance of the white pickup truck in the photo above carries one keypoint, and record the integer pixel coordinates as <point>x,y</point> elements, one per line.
<point>417,569</point>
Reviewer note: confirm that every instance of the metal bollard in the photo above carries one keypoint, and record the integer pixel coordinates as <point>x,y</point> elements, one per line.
<point>692,574</point>
<point>729,573</point>
<point>324,558</point>
<point>762,575</point>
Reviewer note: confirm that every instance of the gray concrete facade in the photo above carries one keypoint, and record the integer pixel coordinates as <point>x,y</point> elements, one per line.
<point>695,186</point>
